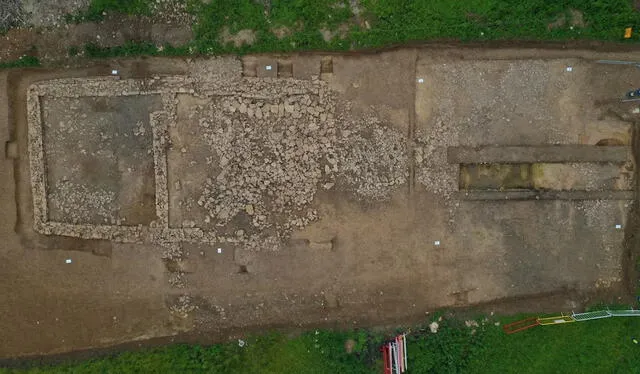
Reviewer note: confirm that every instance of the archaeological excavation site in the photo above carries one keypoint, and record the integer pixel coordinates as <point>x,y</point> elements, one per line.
<point>175,198</point>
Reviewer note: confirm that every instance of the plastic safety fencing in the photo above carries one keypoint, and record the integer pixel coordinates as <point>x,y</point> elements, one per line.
<point>625,313</point>
<point>606,314</point>
<point>394,355</point>
<point>521,325</point>
<point>555,320</point>
<point>563,319</point>
<point>591,315</point>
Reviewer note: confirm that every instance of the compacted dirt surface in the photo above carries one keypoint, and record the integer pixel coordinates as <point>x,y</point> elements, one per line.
<point>208,198</point>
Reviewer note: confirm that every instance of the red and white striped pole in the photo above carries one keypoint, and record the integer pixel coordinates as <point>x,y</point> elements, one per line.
<point>400,361</point>
<point>394,355</point>
<point>404,349</point>
<point>385,359</point>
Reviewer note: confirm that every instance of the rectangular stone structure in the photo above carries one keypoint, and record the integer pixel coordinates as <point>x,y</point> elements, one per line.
<point>119,159</point>
<point>110,159</point>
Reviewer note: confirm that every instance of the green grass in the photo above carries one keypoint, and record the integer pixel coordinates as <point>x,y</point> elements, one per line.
<point>22,62</point>
<point>97,9</point>
<point>387,22</point>
<point>599,346</point>
<point>304,18</point>
<point>312,352</point>
<point>400,21</point>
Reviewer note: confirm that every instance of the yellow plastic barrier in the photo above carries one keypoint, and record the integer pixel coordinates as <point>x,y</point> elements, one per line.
<point>555,320</point>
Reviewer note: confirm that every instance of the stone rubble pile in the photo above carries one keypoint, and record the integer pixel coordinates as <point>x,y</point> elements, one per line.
<point>182,307</point>
<point>433,170</point>
<point>274,151</point>
<point>81,204</point>
<point>373,158</point>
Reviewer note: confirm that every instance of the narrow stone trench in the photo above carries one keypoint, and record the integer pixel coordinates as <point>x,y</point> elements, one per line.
<point>631,243</point>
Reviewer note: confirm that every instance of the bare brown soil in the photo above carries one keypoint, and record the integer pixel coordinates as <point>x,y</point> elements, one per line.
<point>360,247</point>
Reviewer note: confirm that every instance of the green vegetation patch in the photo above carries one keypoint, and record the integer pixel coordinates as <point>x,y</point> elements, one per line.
<point>22,62</point>
<point>401,20</point>
<point>312,352</point>
<point>282,25</point>
<point>597,346</point>
<point>472,346</point>
<point>98,8</point>
<point>286,25</point>
<point>292,25</point>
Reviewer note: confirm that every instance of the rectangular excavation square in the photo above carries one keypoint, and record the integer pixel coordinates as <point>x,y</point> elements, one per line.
<point>267,68</point>
<point>202,168</point>
<point>97,156</point>
<point>244,164</point>
<point>156,160</point>
<point>190,162</point>
<point>547,176</point>
<point>99,161</point>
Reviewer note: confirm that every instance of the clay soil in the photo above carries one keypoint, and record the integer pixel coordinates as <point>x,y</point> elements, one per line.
<point>343,208</point>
